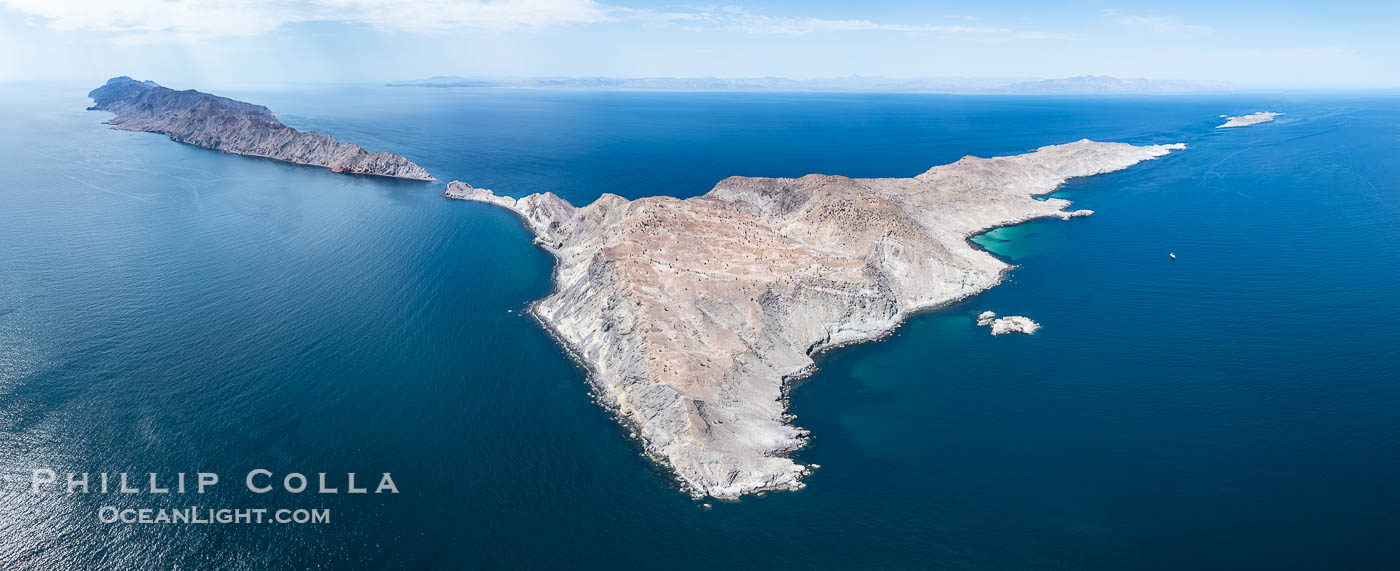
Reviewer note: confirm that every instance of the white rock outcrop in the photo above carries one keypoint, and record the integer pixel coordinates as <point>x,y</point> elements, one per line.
<point>692,315</point>
<point>1247,120</point>
<point>1011,323</point>
<point>1008,324</point>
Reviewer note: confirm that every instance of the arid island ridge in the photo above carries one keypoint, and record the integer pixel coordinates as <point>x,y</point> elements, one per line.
<point>693,315</point>
<point>227,125</point>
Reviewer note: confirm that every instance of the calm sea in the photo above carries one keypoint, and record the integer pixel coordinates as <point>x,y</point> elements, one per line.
<point>169,309</point>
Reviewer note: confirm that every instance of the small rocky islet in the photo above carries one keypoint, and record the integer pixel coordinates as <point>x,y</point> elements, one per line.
<point>1247,120</point>
<point>1007,324</point>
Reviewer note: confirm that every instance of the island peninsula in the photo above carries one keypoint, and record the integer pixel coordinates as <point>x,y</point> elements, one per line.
<point>694,315</point>
<point>231,126</point>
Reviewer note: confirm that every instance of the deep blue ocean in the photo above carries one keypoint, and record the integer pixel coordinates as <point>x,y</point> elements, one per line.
<point>165,308</point>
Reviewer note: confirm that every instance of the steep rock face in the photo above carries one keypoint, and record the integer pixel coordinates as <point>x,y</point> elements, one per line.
<point>224,124</point>
<point>693,314</point>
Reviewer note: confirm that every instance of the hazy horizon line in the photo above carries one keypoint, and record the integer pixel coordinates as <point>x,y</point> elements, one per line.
<point>971,85</point>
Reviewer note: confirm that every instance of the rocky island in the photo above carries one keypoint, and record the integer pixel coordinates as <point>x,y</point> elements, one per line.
<point>231,126</point>
<point>1008,324</point>
<point>1247,120</point>
<point>694,315</point>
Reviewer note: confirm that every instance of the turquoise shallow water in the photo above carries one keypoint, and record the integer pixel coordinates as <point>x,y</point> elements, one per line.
<point>166,308</point>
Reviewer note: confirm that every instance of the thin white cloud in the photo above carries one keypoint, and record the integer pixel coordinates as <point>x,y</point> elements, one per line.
<point>418,15</point>
<point>740,19</point>
<point>184,20</point>
<point>736,18</point>
<point>159,20</point>
<point>1157,24</point>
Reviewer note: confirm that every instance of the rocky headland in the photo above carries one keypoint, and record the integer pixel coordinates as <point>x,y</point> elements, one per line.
<point>693,315</point>
<point>224,124</point>
<point>1247,120</point>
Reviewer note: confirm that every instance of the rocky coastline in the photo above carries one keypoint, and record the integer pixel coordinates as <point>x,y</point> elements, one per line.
<point>692,316</point>
<point>220,123</point>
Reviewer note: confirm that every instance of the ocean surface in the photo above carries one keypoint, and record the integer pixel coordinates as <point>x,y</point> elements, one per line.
<point>165,308</point>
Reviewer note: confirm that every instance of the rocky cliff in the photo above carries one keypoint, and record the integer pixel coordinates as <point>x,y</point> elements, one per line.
<point>236,127</point>
<point>694,314</point>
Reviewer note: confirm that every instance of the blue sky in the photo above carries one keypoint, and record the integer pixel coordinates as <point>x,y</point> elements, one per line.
<point>206,42</point>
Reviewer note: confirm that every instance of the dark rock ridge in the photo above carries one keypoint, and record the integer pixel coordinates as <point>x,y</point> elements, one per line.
<point>231,126</point>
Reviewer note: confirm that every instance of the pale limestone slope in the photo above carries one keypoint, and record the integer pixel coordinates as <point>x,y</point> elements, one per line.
<point>693,314</point>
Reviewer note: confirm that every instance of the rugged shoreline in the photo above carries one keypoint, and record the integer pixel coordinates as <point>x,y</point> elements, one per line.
<point>695,317</point>
<point>223,124</point>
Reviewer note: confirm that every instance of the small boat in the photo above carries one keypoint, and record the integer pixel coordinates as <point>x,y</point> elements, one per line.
<point>1173,255</point>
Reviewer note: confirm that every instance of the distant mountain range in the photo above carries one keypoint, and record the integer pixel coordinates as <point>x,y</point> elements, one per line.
<point>1085,84</point>
<point>1106,84</point>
